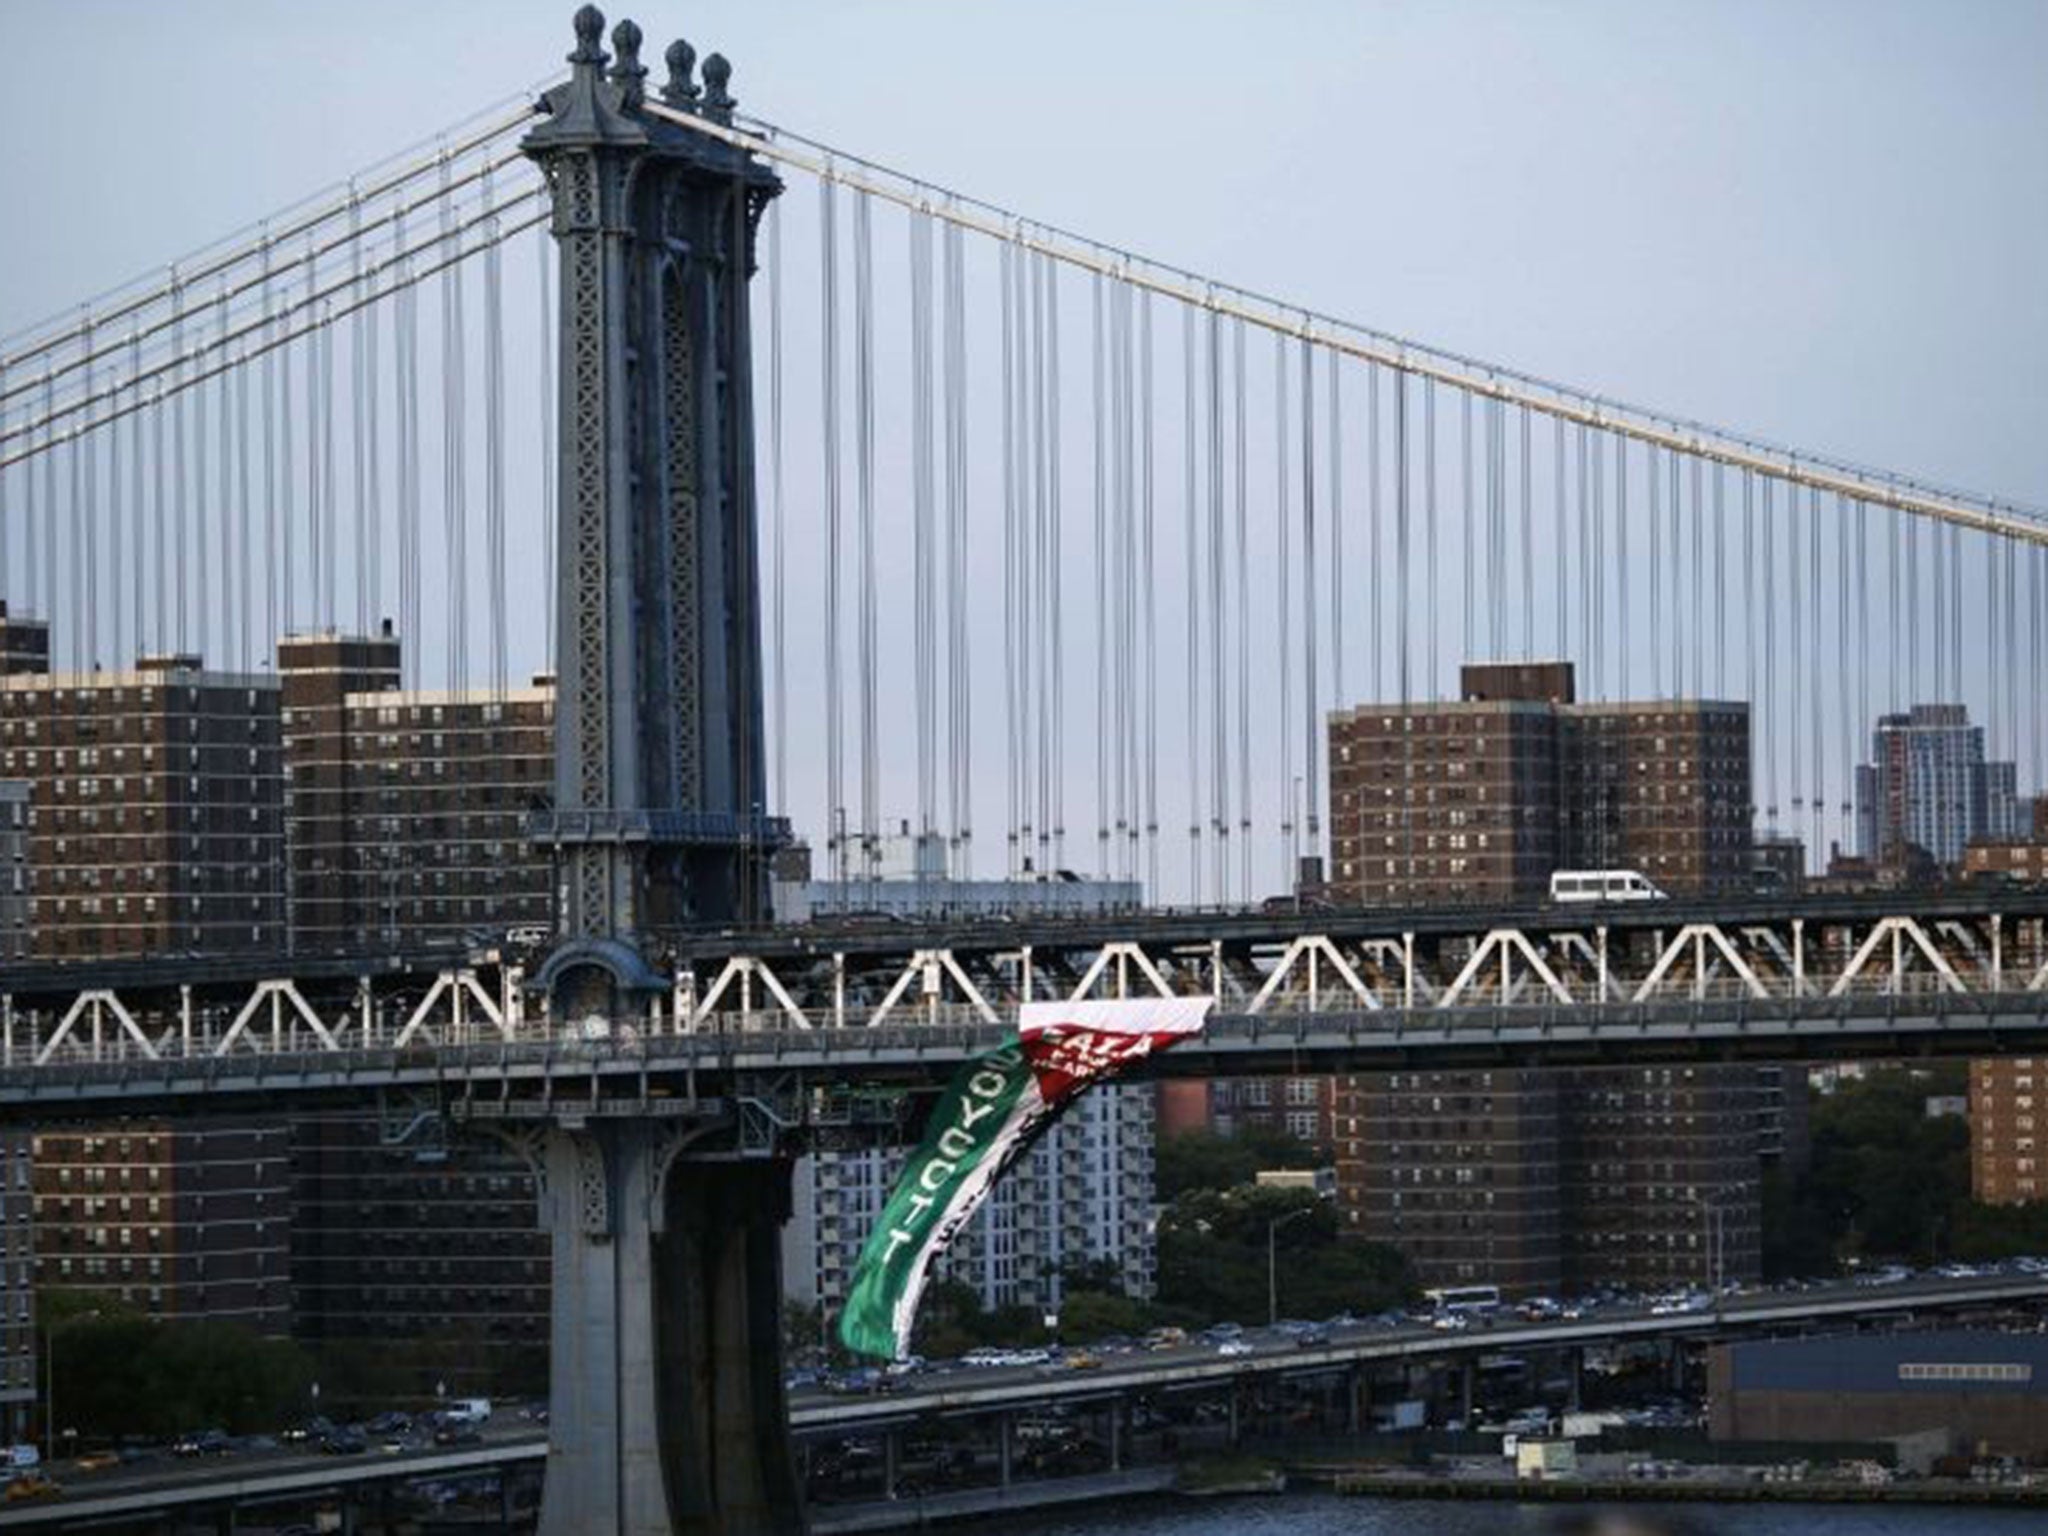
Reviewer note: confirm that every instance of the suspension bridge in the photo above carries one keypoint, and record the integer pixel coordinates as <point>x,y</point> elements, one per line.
<point>770,521</point>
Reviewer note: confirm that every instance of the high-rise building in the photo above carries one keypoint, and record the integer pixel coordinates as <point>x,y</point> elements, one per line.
<point>1928,786</point>
<point>1662,1176</point>
<point>1458,1169</point>
<point>2009,1130</point>
<point>1481,800</point>
<point>1082,1195</point>
<point>1300,1105</point>
<point>1536,1179</point>
<point>425,1260</point>
<point>14,883</point>
<point>408,810</point>
<point>154,807</point>
<point>181,1220</point>
<point>18,1381</point>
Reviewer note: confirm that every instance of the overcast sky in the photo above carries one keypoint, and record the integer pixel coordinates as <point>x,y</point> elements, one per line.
<point>1827,222</point>
<point>1823,223</point>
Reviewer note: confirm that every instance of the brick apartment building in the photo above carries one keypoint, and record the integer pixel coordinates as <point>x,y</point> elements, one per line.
<point>18,1382</point>
<point>153,805</point>
<point>1302,1106</point>
<point>407,810</point>
<point>1479,801</point>
<point>2009,1130</point>
<point>1536,1180</point>
<point>180,1220</point>
<point>425,1262</point>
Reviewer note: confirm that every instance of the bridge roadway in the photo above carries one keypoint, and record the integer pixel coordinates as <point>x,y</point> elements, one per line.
<point>279,1477</point>
<point>802,1069</point>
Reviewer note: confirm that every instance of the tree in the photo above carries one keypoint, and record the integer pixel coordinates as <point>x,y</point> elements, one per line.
<point>1213,1257</point>
<point>1204,1160</point>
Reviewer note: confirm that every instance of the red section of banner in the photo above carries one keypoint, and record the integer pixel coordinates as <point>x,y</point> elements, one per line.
<point>1065,1058</point>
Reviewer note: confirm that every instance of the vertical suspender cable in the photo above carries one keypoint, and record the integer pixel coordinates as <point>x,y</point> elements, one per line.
<point>1400,890</point>
<point>1150,583</point>
<point>1102,615</point>
<point>959,699</point>
<point>202,506</point>
<point>1699,623</point>
<point>1587,579</point>
<point>370,562</point>
<point>1816,757</point>
<point>138,561</point>
<point>1241,453</point>
<point>1656,582</point>
<point>1527,511</point>
<point>1311,696</point>
<point>828,305</point>
<point>1056,661</point>
<point>1844,662</point>
<point>1339,576</point>
<point>1376,636</point>
<point>1560,544</point>
<point>244,534</point>
<point>316,442</point>
<point>864,520</point>
<point>1769,748</point>
<point>1621,561</point>
<point>272,574</point>
<point>1796,594</point>
<point>1430,589</point>
<point>84,554</point>
<point>494,452</point>
<point>1219,621</point>
<point>1720,581</point>
<point>924,532</point>
<point>778,704</point>
<point>1749,646</point>
<point>177,636</point>
<point>1193,588</point>
<point>454,457</point>
<point>406,339</point>
<point>1468,556</point>
<point>1285,629</point>
<point>1006,258</point>
<point>358,425</point>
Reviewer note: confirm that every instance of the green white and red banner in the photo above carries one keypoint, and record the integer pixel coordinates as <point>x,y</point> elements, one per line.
<point>996,1105</point>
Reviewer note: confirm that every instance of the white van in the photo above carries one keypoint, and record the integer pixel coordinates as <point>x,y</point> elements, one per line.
<point>474,1411</point>
<point>1573,886</point>
<point>20,1458</point>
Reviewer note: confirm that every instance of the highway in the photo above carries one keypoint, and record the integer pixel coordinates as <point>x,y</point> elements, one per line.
<point>257,1477</point>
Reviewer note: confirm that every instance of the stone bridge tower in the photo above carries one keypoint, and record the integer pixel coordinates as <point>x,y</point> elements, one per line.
<point>659,819</point>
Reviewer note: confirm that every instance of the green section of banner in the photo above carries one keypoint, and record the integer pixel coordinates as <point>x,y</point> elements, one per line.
<point>963,1137</point>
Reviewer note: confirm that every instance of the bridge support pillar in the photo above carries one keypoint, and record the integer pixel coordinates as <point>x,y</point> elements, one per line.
<point>1116,1434</point>
<point>666,1402</point>
<point>1468,1382</point>
<point>1574,1375</point>
<point>1003,1450</point>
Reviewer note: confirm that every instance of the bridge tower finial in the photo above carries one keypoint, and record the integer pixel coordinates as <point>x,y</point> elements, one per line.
<point>629,74</point>
<point>718,101</point>
<point>681,90</point>
<point>589,25</point>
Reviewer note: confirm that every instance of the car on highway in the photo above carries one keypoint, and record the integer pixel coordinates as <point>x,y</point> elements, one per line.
<point>209,1442</point>
<point>24,1486</point>
<point>344,1442</point>
<point>97,1461</point>
<point>1234,1347</point>
<point>458,1434</point>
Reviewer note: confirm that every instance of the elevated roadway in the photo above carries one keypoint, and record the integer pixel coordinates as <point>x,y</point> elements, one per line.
<point>277,1477</point>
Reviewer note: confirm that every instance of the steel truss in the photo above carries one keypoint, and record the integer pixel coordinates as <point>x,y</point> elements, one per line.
<point>1568,964</point>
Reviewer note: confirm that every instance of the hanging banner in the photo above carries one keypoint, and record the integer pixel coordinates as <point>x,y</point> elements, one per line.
<point>990,1113</point>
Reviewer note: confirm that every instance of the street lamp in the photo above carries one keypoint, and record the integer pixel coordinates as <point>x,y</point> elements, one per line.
<point>1272,1268</point>
<point>50,1382</point>
<point>1709,1212</point>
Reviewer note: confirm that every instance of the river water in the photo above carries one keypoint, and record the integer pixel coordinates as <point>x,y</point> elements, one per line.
<point>1323,1514</point>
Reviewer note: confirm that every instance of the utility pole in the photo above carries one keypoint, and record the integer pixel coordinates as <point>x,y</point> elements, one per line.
<point>1272,1267</point>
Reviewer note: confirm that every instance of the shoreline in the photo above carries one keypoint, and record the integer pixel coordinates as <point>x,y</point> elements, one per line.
<point>1158,1485</point>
